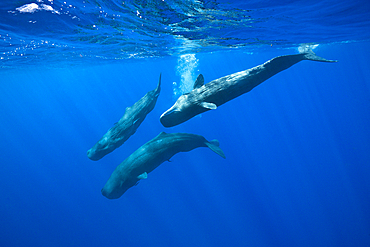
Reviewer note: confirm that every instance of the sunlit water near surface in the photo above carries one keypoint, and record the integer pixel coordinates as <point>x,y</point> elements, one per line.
<point>88,31</point>
<point>296,171</point>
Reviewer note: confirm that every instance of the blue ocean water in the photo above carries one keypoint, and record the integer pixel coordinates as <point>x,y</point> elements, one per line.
<point>297,146</point>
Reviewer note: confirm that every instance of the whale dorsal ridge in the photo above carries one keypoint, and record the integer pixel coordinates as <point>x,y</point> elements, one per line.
<point>199,81</point>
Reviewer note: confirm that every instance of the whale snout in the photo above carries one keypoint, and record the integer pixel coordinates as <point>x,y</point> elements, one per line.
<point>110,191</point>
<point>116,187</point>
<point>92,155</point>
<point>108,194</point>
<point>170,117</point>
<point>100,149</point>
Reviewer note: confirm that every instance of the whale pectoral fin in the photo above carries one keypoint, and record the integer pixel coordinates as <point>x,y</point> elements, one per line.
<point>135,121</point>
<point>207,105</point>
<point>143,176</point>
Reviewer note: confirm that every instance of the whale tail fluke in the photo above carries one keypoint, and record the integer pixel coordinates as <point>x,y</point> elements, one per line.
<point>214,145</point>
<point>158,89</point>
<point>306,50</point>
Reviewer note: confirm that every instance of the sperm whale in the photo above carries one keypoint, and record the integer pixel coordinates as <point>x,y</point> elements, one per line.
<point>150,156</point>
<point>205,97</point>
<point>126,126</point>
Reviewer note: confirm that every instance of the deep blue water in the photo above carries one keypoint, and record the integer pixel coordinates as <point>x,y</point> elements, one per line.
<point>297,146</point>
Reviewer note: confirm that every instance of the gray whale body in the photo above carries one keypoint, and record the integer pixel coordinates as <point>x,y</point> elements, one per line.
<point>217,92</point>
<point>149,156</point>
<point>126,126</point>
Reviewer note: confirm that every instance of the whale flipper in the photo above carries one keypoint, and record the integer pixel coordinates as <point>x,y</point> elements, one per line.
<point>214,145</point>
<point>207,105</point>
<point>143,176</point>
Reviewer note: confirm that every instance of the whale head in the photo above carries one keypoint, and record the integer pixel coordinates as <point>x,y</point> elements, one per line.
<point>101,148</point>
<point>181,111</point>
<point>171,117</point>
<point>187,106</point>
<point>117,186</point>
